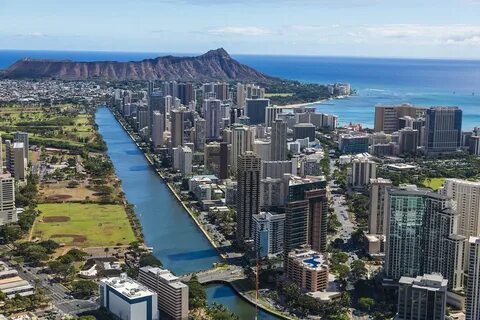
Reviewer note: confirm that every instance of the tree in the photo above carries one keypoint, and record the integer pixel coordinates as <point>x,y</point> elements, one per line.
<point>87,318</point>
<point>365,303</point>
<point>197,297</point>
<point>358,269</point>
<point>84,288</point>
<point>149,260</point>
<point>220,312</point>
<point>106,250</point>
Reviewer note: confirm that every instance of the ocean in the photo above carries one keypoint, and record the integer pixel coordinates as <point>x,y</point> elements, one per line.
<point>423,82</point>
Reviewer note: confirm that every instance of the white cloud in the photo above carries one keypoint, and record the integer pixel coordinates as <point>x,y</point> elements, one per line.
<point>30,35</point>
<point>241,31</point>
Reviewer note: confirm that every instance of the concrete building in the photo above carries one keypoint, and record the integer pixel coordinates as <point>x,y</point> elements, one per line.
<point>172,293</point>
<point>268,233</point>
<point>177,119</point>
<point>304,130</point>
<point>127,299</point>
<point>212,158</point>
<point>443,129</point>
<point>242,141</point>
<point>200,126</point>
<point>23,138</point>
<point>387,117</point>
<point>157,129</point>
<point>256,110</point>
<point>211,109</point>
<point>472,308</point>
<point>308,269</point>
<point>240,98</point>
<point>278,145</point>
<point>474,145</point>
<point>317,219</point>
<point>272,193</point>
<point>377,210</point>
<point>423,297</point>
<point>262,149</point>
<point>408,140</point>
<point>248,193</point>
<point>8,212</point>
<point>271,115</point>
<point>363,169</point>
<point>276,169</point>
<point>182,159</point>
<point>16,161</point>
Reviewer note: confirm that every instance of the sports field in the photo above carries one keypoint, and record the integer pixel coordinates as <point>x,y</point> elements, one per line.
<point>433,183</point>
<point>83,225</point>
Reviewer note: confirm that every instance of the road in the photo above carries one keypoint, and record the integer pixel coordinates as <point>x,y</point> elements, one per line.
<point>58,294</point>
<point>344,217</point>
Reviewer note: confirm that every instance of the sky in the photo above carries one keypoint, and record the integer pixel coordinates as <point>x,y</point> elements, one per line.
<point>378,28</point>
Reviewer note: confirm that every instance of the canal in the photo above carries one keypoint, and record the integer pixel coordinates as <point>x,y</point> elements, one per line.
<point>175,238</point>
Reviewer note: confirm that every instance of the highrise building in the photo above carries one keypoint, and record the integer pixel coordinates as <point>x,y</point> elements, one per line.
<point>387,117</point>
<point>240,101</point>
<point>256,110</point>
<point>308,269</point>
<point>377,210</point>
<point>224,160</point>
<point>16,162</point>
<point>182,159</point>
<point>363,169</point>
<point>156,102</point>
<point>472,307</point>
<point>318,219</point>
<point>278,144</point>
<point>172,293</point>
<point>221,91</point>
<point>268,231</point>
<point>186,93</point>
<point>262,149</point>
<point>443,129</point>
<point>272,193</point>
<point>408,140</point>
<point>212,158</point>
<point>22,137</point>
<point>242,141</point>
<point>157,129</point>
<point>8,212</point>
<point>177,119</point>
<point>200,133</point>
<point>304,130</point>
<point>423,297</point>
<point>271,115</point>
<point>212,117</point>
<point>353,143</point>
<point>248,193</point>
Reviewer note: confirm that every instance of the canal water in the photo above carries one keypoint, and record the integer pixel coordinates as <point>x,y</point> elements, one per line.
<point>175,239</point>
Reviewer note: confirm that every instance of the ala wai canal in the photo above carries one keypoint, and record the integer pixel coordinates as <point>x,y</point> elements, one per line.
<point>175,238</point>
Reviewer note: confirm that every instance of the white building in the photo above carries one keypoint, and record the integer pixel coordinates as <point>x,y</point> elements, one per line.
<point>8,212</point>
<point>172,293</point>
<point>363,169</point>
<point>182,159</point>
<point>158,128</point>
<point>16,159</point>
<point>128,299</point>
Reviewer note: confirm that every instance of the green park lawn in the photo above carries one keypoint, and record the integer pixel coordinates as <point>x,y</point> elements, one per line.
<point>433,183</point>
<point>83,225</point>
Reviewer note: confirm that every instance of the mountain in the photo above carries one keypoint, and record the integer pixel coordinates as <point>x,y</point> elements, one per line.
<point>215,65</point>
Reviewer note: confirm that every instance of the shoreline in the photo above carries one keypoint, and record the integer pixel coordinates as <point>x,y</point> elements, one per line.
<point>306,104</point>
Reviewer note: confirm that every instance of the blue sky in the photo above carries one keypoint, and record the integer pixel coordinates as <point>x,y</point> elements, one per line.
<point>398,28</point>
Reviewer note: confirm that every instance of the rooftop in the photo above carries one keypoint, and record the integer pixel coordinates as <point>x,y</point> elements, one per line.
<point>310,258</point>
<point>127,287</point>
<point>165,275</point>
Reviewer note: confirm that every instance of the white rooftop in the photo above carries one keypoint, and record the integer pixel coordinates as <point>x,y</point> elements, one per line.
<point>127,287</point>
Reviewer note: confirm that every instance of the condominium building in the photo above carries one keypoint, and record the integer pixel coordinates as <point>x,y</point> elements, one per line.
<point>272,193</point>
<point>387,117</point>
<point>177,119</point>
<point>304,130</point>
<point>200,126</point>
<point>248,193</point>
<point>8,212</point>
<point>16,161</point>
<point>172,293</point>
<point>256,110</point>
<point>211,109</point>
<point>182,159</point>
<point>158,128</point>
<point>262,149</point>
<point>377,210</point>
<point>423,297</point>
<point>242,141</point>
<point>318,219</point>
<point>353,143</point>
<point>268,231</point>
<point>22,137</point>
<point>127,299</point>
<point>408,140</point>
<point>472,308</point>
<point>278,145</point>
<point>443,129</point>
<point>308,269</point>
<point>363,169</point>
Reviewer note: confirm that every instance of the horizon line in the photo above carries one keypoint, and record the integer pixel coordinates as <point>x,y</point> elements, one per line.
<point>255,54</point>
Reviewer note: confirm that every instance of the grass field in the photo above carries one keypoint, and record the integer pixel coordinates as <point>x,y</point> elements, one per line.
<point>83,225</point>
<point>433,183</point>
